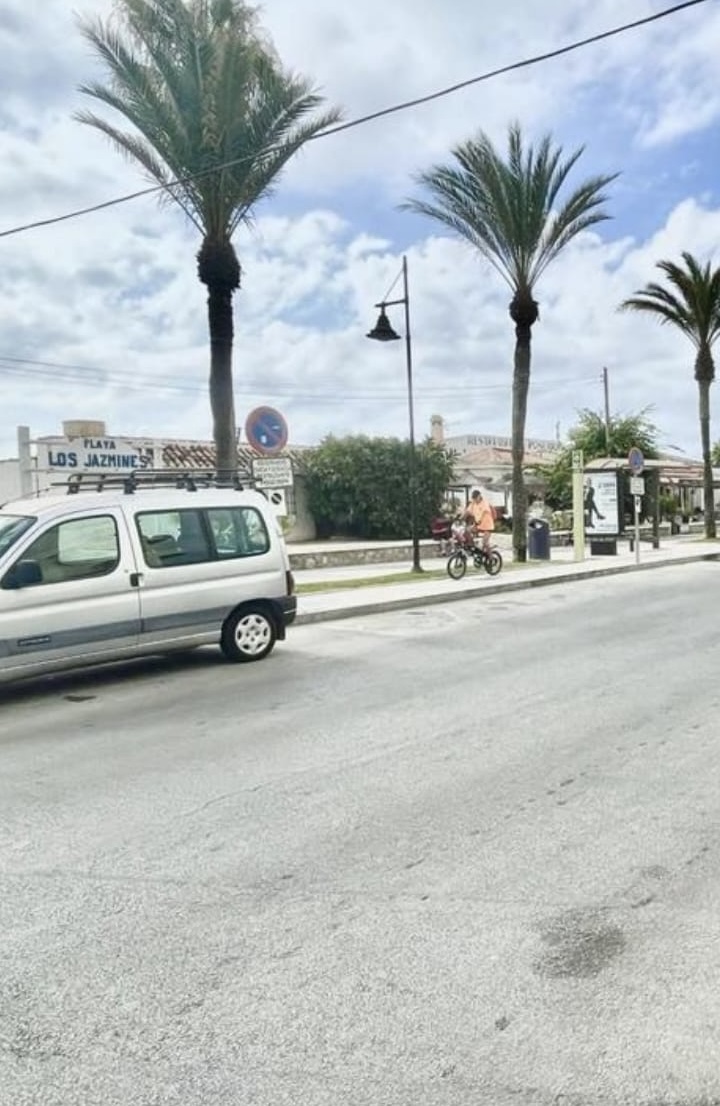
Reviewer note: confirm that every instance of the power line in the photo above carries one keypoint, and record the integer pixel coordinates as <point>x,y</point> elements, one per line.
<point>524,64</point>
<point>93,371</point>
<point>99,378</point>
<point>405,105</point>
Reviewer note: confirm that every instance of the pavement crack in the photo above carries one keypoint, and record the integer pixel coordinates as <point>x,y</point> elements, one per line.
<point>644,901</point>
<point>221,799</point>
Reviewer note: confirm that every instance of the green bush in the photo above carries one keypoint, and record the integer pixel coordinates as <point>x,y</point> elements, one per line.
<point>360,486</point>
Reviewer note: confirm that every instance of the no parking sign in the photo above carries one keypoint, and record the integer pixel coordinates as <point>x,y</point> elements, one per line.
<point>266,430</point>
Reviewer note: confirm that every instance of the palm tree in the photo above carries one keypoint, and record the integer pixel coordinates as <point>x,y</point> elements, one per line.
<point>213,110</point>
<point>509,210</point>
<point>692,304</point>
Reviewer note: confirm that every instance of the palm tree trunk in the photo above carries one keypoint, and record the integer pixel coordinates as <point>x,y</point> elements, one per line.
<point>708,492</point>
<point>222,403</point>
<point>523,312</point>
<point>520,388</point>
<point>219,270</point>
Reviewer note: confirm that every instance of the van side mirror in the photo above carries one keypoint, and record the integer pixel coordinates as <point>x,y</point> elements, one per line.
<point>23,574</point>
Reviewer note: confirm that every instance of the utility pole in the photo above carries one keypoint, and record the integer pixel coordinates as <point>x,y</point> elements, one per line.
<point>606,390</point>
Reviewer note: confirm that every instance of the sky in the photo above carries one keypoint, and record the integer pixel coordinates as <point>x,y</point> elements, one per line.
<point>102,317</point>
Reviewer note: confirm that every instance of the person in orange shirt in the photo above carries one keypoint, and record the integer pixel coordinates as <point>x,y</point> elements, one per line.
<point>479,514</point>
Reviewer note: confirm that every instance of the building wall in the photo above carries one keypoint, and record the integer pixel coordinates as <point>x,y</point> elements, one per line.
<point>9,480</point>
<point>86,447</point>
<point>303,524</point>
<point>467,443</point>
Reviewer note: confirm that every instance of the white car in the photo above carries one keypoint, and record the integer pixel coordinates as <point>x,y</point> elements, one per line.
<point>102,575</point>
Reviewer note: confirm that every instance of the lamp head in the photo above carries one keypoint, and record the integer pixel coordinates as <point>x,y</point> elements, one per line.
<point>383,331</point>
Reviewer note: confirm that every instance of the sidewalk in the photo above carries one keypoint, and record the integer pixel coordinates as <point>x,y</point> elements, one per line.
<point>344,602</point>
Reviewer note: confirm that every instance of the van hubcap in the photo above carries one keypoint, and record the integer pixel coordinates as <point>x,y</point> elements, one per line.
<point>252,634</point>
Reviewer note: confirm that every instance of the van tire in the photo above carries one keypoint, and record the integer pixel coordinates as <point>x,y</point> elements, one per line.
<point>248,634</point>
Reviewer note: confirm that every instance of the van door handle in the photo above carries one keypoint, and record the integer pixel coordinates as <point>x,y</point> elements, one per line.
<point>135,578</point>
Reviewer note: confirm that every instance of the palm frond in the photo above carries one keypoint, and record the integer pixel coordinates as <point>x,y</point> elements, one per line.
<point>210,102</point>
<point>584,209</point>
<point>506,206</point>
<point>690,301</point>
<point>138,149</point>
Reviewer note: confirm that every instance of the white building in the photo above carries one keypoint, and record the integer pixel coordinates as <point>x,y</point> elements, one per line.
<point>485,460</point>
<point>85,450</point>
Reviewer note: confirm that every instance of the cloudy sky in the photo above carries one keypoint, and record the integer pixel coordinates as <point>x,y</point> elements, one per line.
<point>103,317</point>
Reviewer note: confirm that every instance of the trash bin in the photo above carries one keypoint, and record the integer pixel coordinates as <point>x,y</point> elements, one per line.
<point>538,539</point>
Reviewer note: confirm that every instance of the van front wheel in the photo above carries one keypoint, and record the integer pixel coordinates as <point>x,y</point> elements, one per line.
<point>248,635</point>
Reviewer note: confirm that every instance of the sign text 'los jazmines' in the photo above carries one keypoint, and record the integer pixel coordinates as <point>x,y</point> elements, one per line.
<point>91,454</point>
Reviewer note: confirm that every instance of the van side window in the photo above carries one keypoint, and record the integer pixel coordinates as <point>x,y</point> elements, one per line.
<point>173,538</point>
<point>238,532</point>
<point>75,549</point>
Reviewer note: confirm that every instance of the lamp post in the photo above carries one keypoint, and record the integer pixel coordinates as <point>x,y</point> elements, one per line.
<point>383,332</point>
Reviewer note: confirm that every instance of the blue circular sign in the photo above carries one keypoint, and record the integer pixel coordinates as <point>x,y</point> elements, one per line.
<point>266,430</point>
<point>636,461</point>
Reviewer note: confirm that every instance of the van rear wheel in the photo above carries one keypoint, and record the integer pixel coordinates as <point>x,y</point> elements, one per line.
<point>248,635</point>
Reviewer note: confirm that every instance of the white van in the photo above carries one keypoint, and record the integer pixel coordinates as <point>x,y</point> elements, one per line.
<point>102,575</point>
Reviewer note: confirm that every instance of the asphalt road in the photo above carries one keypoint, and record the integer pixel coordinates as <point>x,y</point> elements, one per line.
<point>464,855</point>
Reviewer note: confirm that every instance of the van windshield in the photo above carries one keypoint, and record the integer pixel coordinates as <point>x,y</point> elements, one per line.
<point>11,528</point>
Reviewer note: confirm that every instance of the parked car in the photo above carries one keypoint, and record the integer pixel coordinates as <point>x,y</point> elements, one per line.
<point>88,578</point>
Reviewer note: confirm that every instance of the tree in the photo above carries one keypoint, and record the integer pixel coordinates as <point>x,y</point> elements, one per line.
<point>358,486</point>
<point>509,209</point>
<point>590,436</point>
<point>692,304</point>
<point>214,118</point>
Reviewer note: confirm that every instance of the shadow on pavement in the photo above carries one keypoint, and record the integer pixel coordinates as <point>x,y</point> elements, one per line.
<point>86,683</point>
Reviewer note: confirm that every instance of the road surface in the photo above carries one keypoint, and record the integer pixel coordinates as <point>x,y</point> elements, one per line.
<point>461,855</point>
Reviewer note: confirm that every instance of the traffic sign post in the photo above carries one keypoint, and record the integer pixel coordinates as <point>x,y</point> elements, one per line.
<point>266,431</point>
<point>577,503</point>
<point>636,464</point>
<point>278,502</point>
<point>636,461</point>
<point>636,503</point>
<point>272,472</point>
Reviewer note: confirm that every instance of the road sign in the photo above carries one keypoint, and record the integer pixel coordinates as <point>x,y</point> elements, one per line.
<point>266,430</point>
<point>636,461</point>
<point>637,485</point>
<point>277,501</point>
<point>272,472</point>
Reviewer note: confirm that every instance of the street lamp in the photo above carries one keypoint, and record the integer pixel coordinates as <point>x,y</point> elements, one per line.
<point>383,332</point>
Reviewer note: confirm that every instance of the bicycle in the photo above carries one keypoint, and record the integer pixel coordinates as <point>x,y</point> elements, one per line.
<point>468,547</point>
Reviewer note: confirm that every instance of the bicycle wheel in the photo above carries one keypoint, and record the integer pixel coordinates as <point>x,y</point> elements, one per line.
<point>493,562</point>
<point>457,566</point>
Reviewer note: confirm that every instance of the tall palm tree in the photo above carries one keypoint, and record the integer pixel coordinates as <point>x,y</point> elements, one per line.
<point>509,209</point>
<point>211,108</point>
<point>692,304</point>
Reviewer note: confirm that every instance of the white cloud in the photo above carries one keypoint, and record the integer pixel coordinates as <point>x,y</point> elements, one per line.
<point>324,373</point>
<point>375,55</point>
<point>117,291</point>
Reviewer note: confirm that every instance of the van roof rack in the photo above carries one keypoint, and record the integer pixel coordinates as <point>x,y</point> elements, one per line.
<point>189,479</point>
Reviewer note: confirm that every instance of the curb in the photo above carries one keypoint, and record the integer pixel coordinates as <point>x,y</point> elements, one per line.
<point>407,602</point>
